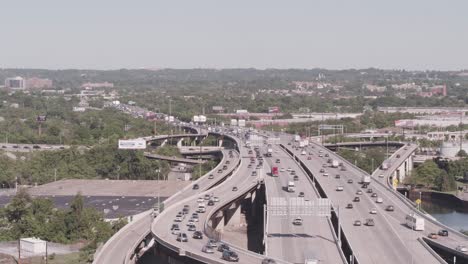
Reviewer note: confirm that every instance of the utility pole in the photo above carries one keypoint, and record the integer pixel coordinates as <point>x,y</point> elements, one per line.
<point>55,174</point>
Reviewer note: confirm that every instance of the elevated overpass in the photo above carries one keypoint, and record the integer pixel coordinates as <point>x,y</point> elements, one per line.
<point>122,246</point>
<point>172,159</point>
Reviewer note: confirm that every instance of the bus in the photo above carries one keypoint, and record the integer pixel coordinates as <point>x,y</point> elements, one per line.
<point>415,222</point>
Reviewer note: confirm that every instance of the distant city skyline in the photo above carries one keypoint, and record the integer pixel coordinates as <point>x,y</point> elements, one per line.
<point>331,34</point>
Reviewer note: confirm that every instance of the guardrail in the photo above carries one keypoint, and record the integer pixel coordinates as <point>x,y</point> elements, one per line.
<point>433,253</point>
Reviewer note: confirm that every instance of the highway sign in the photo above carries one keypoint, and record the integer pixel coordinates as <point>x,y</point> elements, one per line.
<point>418,201</point>
<point>281,206</point>
<point>132,144</point>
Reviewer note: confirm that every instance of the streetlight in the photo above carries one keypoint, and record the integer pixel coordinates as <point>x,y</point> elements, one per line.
<point>159,186</point>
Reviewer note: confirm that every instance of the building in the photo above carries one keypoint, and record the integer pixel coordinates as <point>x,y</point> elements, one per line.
<point>16,83</point>
<point>89,85</point>
<point>451,149</point>
<point>217,109</point>
<point>38,83</point>
<point>375,88</point>
<point>33,245</point>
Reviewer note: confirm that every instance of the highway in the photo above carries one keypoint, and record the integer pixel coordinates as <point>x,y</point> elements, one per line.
<point>382,243</point>
<point>161,227</point>
<point>454,239</point>
<point>315,237</point>
<point>118,246</point>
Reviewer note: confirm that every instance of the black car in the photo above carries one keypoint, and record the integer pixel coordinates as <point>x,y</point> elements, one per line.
<point>301,194</point>
<point>230,255</point>
<point>222,247</point>
<point>349,206</point>
<point>234,189</point>
<point>197,235</point>
<point>443,232</point>
<point>210,203</point>
<point>357,199</point>
<point>196,187</point>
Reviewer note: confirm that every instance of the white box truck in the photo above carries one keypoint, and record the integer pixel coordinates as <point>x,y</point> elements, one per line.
<point>365,179</point>
<point>335,164</point>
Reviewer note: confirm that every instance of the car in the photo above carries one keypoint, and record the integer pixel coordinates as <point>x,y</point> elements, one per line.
<point>268,261</point>
<point>249,166</point>
<point>297,221</point>
<point>339,188</point>
<point>174,226</point>
<point>337,176</point>
<point>200,200</point>
<point>289,169</point>
<point>207,249</point>
<point>178,218</point>
<point>210,203</point>
<point>379,200</point>
<point>326,155</point>
<point>370,222</point>
<point>443,232</point>
<point>211,243</point>
<point>320,155</point>
<point>207,197</point>
<point>301,194</point>
<point>390,208</point>
<point>369,190</point>
<point>324,165</point>
<point>196,187</point>
<point>234,189</point>
<point>322,170</point>
<point>364,185</point>
<point>211,176</point>
<point>197,235</point>
<point>282,169</point>
<point>398,156</point>
<point>296,178</point>
<point>278,160</point>
<point>254,173</point>
<point>182,237</point>
<point>222,247</point>
<point>190,222</point>
<point>432,236</point>
<point>289,143</point>
<point>374,195</point>
<point>343,168</point>
<point>357,223</point>
<point>349,206</point>
<point>309,158</point>
<point>381,175</point>
<point>230,255</point>
<point>192,227</point>
<point>325,174</point>
<point>373,211</point>
<point>359,192</point>
<point>461,248</point>
<point>36,147</point>
<point>356,199</point>
<point>215,199</point>
<point>220,171</point>
<point>350,181</point>
<point>176,230</point>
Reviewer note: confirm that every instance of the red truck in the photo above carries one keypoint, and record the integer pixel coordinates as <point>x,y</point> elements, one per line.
<point>274,172</point>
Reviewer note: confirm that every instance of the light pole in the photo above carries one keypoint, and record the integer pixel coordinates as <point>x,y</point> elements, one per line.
<point>420,200</point>
<point>159,187</point>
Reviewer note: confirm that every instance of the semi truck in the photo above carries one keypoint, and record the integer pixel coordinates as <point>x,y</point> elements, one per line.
<point>274,171</point>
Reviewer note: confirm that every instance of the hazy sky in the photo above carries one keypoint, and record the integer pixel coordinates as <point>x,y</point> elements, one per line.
<point>110,34</point>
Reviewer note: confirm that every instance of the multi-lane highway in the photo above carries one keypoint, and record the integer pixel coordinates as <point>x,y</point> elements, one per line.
<point>118,247</point>
<point>315,238</point>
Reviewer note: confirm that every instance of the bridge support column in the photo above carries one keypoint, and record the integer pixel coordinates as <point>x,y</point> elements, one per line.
<point>164,143</point>
<point>220,143</point>
<point>233,215</point>
<point>179,143</point>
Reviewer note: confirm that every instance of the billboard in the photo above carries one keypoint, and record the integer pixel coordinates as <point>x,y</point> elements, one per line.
<point>132,144</point>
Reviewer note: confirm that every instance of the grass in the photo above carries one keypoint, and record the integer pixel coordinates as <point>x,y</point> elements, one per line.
<point>71,258</point>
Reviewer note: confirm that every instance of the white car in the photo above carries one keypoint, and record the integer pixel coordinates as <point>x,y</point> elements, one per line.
<point>339,188</point>
<point>216,199</point>
<point>461,248</point>
<point>373,211</point>
<point>282,170</point>
<point>200,200</point>
<point>381,175</point>
<point>379,200</point>
<point>289,169</point>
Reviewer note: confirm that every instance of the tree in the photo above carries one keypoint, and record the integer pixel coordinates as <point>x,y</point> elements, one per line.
<point>462,153</point>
